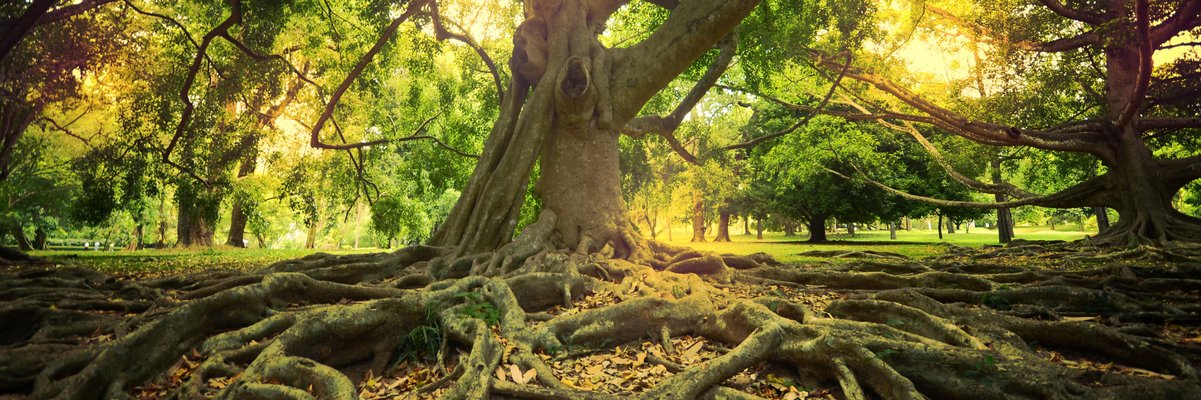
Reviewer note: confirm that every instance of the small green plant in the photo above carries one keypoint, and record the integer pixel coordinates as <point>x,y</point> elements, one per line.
<point>475,306</point>
<point>423,342</point>
<point>678,291</point>
<point>883,355</point>
<point>984,371</point>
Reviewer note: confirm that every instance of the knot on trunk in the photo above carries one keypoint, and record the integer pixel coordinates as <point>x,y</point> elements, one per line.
<point>573,98</point>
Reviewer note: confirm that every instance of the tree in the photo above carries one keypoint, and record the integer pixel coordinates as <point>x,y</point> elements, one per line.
<point>1119,116</point>
<point>266,334</point>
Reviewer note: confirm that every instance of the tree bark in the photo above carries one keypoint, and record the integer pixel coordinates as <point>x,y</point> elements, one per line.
<point>759,228</point>
<point>698,218</point>
<point>22,241</point>
<point>950,225</point>
<point>1102,215</point>
<point>135,243</point>
<point>789,228</point>
<point>746,225</point>
<point>892,230</point>
<point>310,237</point>
<point>39,239</point>
<point>851,229</point>
<point>939,226</point>
<point>723,227</point>
<point>817,229</point>
<point>908,224</point>
<point>193,228</point>
<point>237,217</point>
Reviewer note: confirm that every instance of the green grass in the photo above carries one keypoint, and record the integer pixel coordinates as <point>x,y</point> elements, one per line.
<point>152,261</point>
<point>915,243</point>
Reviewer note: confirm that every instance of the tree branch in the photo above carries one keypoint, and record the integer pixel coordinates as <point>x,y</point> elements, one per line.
<point>1089,193</point>
<point>983,132</point>
<point>1188,16</point>
<point>65,12</point>
<point>666,126</point>
<point>998,188</point>
<point>19,29</point>
<point>235,17</point>
<point>441,33</point>
<point>842,73</point>
<point>389,32</point>
<point>1054,46</point>
<point>1070,13</point>
<point>645,68</point>
<point>1145,64</point>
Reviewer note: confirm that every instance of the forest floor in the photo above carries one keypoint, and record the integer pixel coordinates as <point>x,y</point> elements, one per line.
<point>425,365</point>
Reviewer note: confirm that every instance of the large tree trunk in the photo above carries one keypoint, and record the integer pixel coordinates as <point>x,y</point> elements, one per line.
<point>310,237</point>
<point>817,229</point>
<point>39,239</point>
<point>892,230</point>
<point>759,228</point>
<point>582,95</point>
<point>135,243</point>
<point>1004,215</point>
<point>1102,215</point>
<point>193,228</point>
<point>723,227</point>
<point>698,217</point>
<point>22,240</point>
<point>746,225</point>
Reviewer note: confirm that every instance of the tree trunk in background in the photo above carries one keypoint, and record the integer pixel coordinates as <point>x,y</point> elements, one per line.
<point>723,227</point>
<point>940,226</point>
<point>908,224</point>
<point>193,229</point>
<point>22,240</point>
<point>698,217</point>
<point>135,243</point>
<point>746,225</point>
<point>237,217</point>
<point>310,238</point>
<point>1004,224</point>
<point>39,239</point>
<point>789,229</point>
<point>759,227</point>
<point>851,229</point>
<point>1052,222</point>
<point>950,225</point>
<point>892,230</point>
<point>1102,218</point>
<point>817,229</point>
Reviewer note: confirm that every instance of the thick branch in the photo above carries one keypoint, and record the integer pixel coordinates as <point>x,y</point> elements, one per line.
<point>666,126</point>
<point>65,12</point>
<point>1070,13</point>
<point>1090,193</point>
<point>647,67</point>
<point>1186,17</point>
<point>1145,64</point>
<point>999,188</point>
<point>21,27</point>
<point>983,132</point>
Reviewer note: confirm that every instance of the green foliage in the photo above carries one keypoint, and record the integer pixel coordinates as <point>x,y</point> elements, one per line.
<point>394,216</point>
<point>476,306</point>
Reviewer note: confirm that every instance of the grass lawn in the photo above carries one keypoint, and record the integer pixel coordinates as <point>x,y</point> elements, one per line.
<point>153,261</point>
<point>915,243</point>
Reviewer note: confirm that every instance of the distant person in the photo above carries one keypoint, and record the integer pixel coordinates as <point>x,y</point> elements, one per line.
<point>86,245</point>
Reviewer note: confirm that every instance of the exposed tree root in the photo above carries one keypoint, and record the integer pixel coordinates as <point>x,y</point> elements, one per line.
<point>947,328</point>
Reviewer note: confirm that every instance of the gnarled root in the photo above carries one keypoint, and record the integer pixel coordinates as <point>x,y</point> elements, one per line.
<point>898,330</point>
